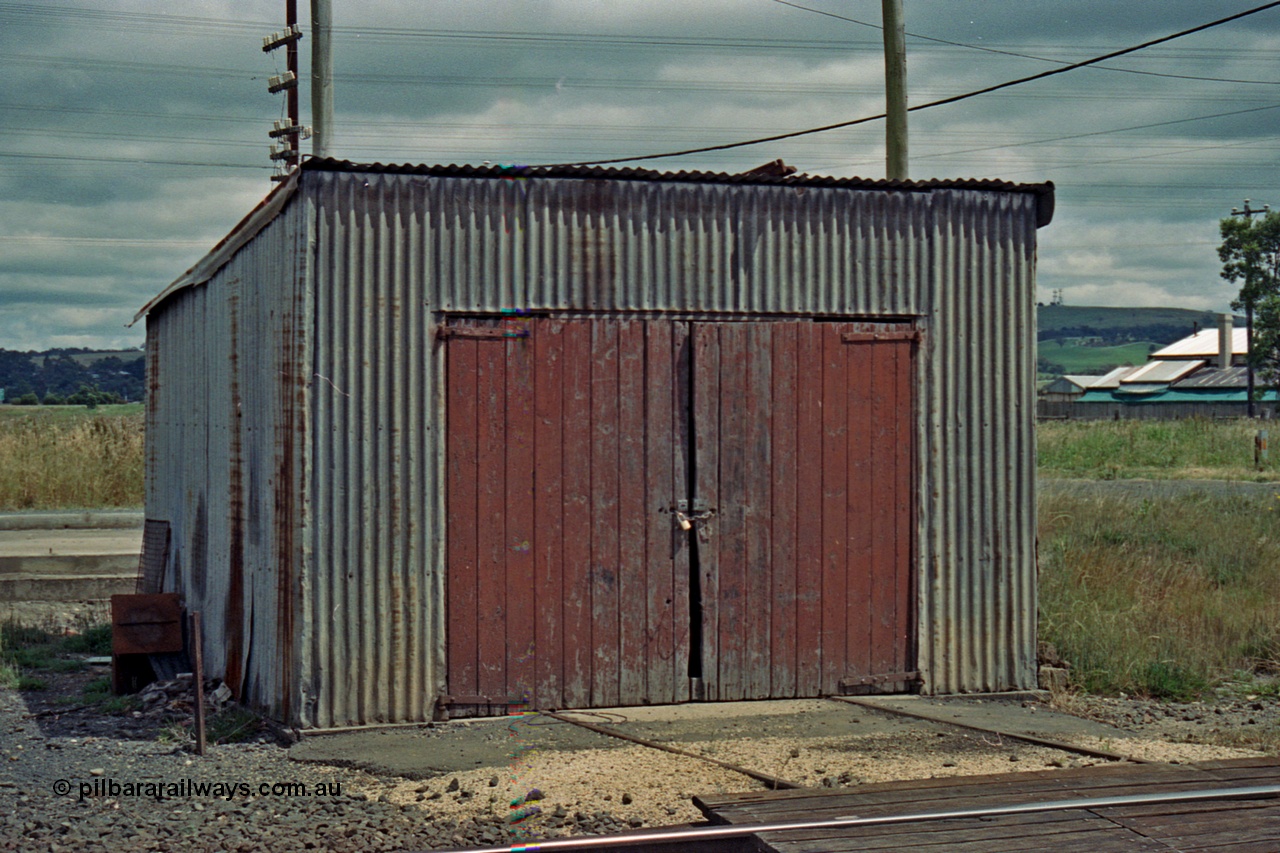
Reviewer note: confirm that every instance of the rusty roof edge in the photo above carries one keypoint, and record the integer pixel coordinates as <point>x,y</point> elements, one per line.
<point>1044,192</point>
<point>217,257</point>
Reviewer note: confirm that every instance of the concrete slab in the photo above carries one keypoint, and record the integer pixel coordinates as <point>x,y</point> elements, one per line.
<point>34,544</point>
<point>815,725</point>
<point>441,748</point>
<point>84,519</point>
<point>1006,715</point>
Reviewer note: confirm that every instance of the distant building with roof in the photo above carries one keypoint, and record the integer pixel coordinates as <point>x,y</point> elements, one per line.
<point>1202,375</point>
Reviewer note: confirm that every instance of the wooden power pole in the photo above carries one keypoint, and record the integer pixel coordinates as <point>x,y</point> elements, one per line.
<point>895,89</point>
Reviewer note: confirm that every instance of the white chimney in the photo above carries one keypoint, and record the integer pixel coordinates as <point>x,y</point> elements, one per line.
<point>1226,337</point>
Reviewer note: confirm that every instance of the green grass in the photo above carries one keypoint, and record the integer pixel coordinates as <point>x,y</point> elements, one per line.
<point>68,414</point>
<point>27,652</point>
<point>69,457</point>
<point>1164,597</point>
<point>1194,448</point>
<point>1076,358</point>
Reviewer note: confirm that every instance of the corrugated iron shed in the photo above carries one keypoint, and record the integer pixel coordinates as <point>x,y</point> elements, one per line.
<point>297,414</point>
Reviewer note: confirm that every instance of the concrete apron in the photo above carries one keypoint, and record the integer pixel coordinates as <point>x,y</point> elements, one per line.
<point>814,726</point>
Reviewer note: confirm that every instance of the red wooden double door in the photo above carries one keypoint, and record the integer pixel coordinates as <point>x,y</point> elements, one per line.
<point>647,511</point>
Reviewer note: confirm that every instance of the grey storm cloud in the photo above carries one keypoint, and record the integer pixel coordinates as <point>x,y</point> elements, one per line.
<point>133,133</point>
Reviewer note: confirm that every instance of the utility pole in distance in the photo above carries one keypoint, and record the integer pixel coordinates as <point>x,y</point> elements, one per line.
<point>895,89</point>
<point>1248,213</point>
<point>321,77</point>
<point>289,132</point>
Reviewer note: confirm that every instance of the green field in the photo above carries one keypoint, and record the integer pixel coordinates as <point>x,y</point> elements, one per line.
<point>1078,358</point>
<point>1193,448</point>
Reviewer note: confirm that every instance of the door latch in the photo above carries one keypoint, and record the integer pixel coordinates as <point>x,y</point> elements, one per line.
<point>689,517</point>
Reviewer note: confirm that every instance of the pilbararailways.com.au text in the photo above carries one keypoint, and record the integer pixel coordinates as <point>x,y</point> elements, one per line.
<point>189,789</point>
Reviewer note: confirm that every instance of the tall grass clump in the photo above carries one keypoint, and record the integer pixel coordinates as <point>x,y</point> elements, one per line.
<point>1160,597</point>
<point>91,461</point>
<point>1187,448</point>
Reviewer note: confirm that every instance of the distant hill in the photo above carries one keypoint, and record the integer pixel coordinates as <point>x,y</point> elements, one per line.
<point>1114,326</point>
<point>56,374</point>
<point>1090,340</point>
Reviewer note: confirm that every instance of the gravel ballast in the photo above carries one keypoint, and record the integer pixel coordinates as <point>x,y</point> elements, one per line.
<point>81,780</point>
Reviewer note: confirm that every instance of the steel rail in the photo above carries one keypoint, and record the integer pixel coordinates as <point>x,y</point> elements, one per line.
<point>698,834</point>
<point>1032,739</point>
<point>773,782</point>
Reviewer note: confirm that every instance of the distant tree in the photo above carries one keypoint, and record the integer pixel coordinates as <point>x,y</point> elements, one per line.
<point>1250,255</point>
<point>28,399</point>
<point>52,399</point>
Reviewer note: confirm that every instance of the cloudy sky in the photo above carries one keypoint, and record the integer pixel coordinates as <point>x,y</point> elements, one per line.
<point>133,132</point>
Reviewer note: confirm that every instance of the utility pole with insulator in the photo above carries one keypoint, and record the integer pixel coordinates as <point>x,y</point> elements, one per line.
<point>290,131</point>
<point>1248,213</point>
<point>895,89</point>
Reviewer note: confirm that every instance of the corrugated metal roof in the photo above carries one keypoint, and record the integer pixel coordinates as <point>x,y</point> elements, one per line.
<point>1113,379</point>
<point>1160,372</point>
<point>1215,377</point>
<point>1204,344</point>
<point>1043,192</point>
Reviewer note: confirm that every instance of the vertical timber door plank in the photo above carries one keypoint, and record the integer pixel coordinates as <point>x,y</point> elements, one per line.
<point>904,515</point>
<point>521,605</point>
<point>460,474</point>
<point>632,588</point>
<point>604,514</point>
<point>491,626</point>
<point>809,503</point>
<point>835,451</point>
<point>783,623</point>
<point>884,460</point>
<point>757,516</point>
<point>730,538</point>
<point>577,519</point>
<point>864,468</point>
<point>678,543</point>
<point>660,427</point>
<point>706,419</point>
<point>548,535</point>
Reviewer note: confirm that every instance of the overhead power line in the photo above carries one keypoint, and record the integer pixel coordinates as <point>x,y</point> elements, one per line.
<point>943,101</point>
<point>986,49</point>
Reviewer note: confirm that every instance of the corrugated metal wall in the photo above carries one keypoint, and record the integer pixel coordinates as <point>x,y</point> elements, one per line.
<point>224,442</point>
<point>394,250</point>
<point>296,415</point>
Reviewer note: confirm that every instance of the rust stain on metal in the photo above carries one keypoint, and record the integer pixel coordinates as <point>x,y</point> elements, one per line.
<point>234,635</point>
<point>291,394</point>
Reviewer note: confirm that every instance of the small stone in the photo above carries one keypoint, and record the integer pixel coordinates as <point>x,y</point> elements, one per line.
<point>97,771</point>
<point>627,799</point>
<point>493,781</point>
<point>1014,757</point>
<point>533,796</point>
<point>453,785</point>
<point>795,753</point>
